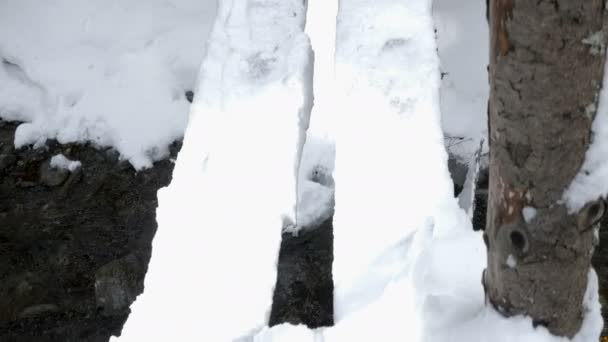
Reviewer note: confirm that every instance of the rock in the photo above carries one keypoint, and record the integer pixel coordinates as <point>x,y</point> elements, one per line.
<point>458,170</point>
<point>81,245</point>
<point>117,285</point>
<point>52,176</point>
<point>26,184</point>
<point>7,160</point>
<point>36,310</point>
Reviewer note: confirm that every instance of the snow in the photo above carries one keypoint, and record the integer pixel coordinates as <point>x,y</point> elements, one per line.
<point>463,42</point>
<point>412,276</point>
<point>112,73</point>
<point>407,264</point>
<point>590,183</point>
<point>316,184</point>
<point>61,162</point>
<point>529,213</point>
<point>388,138</point>
<point>511,262</point>
<point>287,333</point>
<point>234,184</point>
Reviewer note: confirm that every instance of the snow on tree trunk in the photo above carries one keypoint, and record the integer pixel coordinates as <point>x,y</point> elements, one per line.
<point>546,65</point>
<point>234,185</point>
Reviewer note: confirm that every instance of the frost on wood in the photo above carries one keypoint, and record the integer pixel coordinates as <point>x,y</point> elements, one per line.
<point>543,79</point>
<point>234,185</point>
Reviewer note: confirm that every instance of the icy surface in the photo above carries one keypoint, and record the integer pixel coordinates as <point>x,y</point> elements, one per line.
<point>591,181</point>
<point>61,162</point>
<point>110,72</point>
<point>234,184</point>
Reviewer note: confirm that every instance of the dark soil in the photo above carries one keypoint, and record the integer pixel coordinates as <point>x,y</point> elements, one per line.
<point>304,290</point>
<point>75,246</point>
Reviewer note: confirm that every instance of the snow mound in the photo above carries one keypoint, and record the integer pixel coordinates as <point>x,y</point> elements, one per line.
<point>113,73</point>
<point>234,184</point>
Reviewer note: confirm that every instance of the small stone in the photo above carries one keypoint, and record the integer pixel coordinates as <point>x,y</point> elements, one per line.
<point>320,174</point>
<point>117,284</point>
<point>6,160</point>
<point>26,184</point>
<point>458,170</point>
<point>112,155</point>
<point>36,310</point>
<point>51,176</point>
<point>189,95</point>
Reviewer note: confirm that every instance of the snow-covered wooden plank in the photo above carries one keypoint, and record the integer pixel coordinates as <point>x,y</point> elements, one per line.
<point>391,167</point>
<point>213,267</point>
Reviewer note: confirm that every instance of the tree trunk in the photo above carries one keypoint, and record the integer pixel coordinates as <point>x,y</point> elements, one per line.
<point>546,66</point>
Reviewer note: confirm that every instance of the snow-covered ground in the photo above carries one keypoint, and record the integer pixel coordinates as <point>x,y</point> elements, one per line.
<point>110,72</point>
<point>407,263</point>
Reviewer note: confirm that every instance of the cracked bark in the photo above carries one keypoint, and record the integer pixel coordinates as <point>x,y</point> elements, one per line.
<point>544,80</point>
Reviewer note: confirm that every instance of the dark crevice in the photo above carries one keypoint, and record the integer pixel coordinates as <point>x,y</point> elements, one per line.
<point>304,289</point>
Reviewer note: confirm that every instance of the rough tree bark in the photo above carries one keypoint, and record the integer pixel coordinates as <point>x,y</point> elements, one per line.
<point>546,65</point>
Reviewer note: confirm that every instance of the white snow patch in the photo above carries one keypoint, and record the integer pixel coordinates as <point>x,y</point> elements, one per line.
<point>408,263</point>
<point>590,183</point>
<point>463,43</point>
<point>511,262</point>
<point>61,162</point>
<point>315,204</point>
<point>213,269</point>
<point>112,73</point>
<point>287,333</point>
<point>596,42</point>
<point>390,170</point>
<point>529,213</point>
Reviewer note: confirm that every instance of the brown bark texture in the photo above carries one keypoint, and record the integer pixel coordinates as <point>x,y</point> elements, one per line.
<point>546,66</point>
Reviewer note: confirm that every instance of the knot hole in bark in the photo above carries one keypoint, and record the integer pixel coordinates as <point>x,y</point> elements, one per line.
<point>513,239</point>
<point>519,241</point>
<point>591,214</point>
